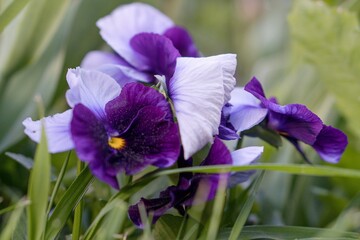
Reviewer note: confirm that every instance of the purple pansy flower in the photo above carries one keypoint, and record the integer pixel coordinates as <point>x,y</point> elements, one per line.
<point>149,46</point>
<point>126,30</point>
<point>112,129</point>
<point>295,122</point>
<point>197,188</point>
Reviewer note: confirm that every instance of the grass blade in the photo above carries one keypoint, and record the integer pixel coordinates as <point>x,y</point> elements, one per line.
<point>67,203</point>
<point>12,223</point>
<point>11,12</point>
<point>39,188</point>
<point>245,211</point>
<point>299,169</point>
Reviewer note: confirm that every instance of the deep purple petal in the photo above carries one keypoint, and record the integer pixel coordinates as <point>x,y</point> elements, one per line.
<point>90,140</point>
<point>151,139</point>
<point>182,41</point>
<point>330,144</point>
<point>254,87</point>
<point>159,52</point>
<point>134,96</point>
<point>294,120</point>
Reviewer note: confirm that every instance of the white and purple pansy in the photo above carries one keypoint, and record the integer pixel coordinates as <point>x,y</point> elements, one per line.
<point>126,30</point>
<point>295,122</point>
<point>111,128</point>
<point>197,188</point>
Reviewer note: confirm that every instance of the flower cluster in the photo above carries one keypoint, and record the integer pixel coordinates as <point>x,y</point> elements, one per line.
<point>156,101</point>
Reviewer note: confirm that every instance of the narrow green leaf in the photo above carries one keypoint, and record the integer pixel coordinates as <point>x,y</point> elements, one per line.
<point>13,222</point>
<point>39,188</point>
<point>290,232</point>
<point>67,203</point>
<point>76,231</point>
<point>11,12</point>
<point>23,160</point>
<point>113,221</point>
<point>217,210</point>
<point>245,210</point>
<point>168,227</point>
<point>300,169</point>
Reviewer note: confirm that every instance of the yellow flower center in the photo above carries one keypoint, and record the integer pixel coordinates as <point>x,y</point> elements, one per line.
<point>117,143</point>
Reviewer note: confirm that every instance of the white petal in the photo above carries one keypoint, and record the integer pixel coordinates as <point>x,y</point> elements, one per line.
<point>57,129</point>
<point>228,64</point>
<point>246,156</point>
<point>92,88</point>
<point>245,117</point>
<point>241,97</point>
<point>197,92</point>
<point>94,59</point>
<point>126,21</point>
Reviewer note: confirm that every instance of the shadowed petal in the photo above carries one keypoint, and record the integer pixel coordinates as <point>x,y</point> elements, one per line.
<point>295,120</point>
<point>330,144</point>
<point>197,92</point>
<point>133,97</point>
<point>241,157</point>
<point>91,88</point>
<point>125,22</point>
<point>57,130</point>
<point>158,51</point>
<point>182,41</point>
<point>245,117</point>
<point>94,59</point>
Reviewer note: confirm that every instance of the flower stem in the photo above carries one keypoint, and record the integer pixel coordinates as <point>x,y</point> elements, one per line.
<point>76,232</point>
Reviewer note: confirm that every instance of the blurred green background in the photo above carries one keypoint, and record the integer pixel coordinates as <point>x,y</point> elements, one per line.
<point>302,51</point>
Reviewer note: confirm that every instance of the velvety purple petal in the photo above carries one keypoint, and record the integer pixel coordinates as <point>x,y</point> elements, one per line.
<point>226,129</point>
<point>134,96</point>
<point>151,139</point>
<point>128,20</point>
<point>182,41</point>
<point>158,51</point>
<point>296,121</point>
<point>94,59</point>
<point>330,144</point>
<point>197,92</point>
<point>254,87</point>
<point>57,129</point>
<point>90,140</point>
<point>91,88</point>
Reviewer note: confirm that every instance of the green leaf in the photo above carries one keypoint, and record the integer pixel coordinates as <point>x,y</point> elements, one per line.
<point>167,227</point>
<point>39,189</point>
<point>290,232</point>
<point>11,12</point>
<point>113,221</point>
<point>329,38</point>
<point>23,160</point>
<point>300,169</point>
<point>245,210</point>
<point>41,76</point>
<point>67,203</point>
<point>13,222</point>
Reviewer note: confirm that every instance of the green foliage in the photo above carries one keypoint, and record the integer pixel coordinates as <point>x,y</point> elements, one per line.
<point>329,39</point>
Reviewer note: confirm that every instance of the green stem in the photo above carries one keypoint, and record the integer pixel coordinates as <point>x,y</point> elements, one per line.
<point>76,232</point>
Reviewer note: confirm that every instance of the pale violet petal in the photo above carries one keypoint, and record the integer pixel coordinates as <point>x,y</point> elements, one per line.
<point>94,59</point>
<point>246,156</point>
<point>128,20</point>
<point>197,92</point>
<point>228,64</point>
<point>91,88</point>
<point>57,129</point>
<point>245,117</point>
<point>241,97</point>
<point>125,74</point>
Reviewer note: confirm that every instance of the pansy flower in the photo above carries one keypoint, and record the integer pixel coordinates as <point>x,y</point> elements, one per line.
<point>295,122</point>
<point>147,43</point>
<point>197,188</point>
<point>111,128</point>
